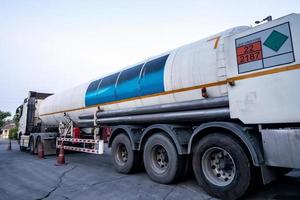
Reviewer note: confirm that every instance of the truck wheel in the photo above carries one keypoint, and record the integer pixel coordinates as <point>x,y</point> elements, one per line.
<point>161,160</point>
<point>125,159</point>
<point>22,148</point>
<point>31,146</point>
<point>221,166</point>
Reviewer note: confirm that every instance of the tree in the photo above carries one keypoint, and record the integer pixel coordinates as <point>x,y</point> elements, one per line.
<point>3,116</point>
<point>14,131</point>
<point>16,120</point>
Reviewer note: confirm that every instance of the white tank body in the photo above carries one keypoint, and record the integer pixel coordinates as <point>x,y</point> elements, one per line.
<point>186,67</point>
<point>255,61</point>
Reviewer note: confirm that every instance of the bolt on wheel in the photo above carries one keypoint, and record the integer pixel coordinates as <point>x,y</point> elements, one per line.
<point>221,166</point>
<point>124,158</point>
<point>218,166</point>
<point>122,154</point>
<point>162,162</point>
<point>159,158</point>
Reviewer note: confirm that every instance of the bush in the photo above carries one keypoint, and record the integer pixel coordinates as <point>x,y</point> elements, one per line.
<point>13,133</point>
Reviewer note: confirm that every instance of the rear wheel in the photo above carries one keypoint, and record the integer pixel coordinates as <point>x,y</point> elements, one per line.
<point>221,166</point>
<point>161,160</point>
<point>22,148</point>
<point>125,159</point>
<point>31,146</point>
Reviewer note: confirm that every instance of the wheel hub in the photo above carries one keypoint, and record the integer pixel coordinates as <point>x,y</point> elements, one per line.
<point>122,154</point>
<point>218,166</point>
<point>159,159</point>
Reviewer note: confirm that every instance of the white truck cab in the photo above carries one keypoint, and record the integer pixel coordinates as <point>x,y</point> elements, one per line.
<point>29,121</point>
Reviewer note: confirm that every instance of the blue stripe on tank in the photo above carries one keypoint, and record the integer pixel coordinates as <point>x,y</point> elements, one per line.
<point>128,89</point>
<point>134,82</point>
<point>152,83</point>
<point>91,98</point>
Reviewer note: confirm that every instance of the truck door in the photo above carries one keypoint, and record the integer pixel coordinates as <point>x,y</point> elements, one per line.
<point>23,117</point>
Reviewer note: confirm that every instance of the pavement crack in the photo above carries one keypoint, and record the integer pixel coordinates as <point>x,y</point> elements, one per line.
<point>108,181</point>
<point>58,184</point>
<point>66,197</point>
<point>166,196</point>
<point>186,187</point>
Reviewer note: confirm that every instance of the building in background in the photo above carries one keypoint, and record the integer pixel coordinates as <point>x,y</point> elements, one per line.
<point>6,129</point>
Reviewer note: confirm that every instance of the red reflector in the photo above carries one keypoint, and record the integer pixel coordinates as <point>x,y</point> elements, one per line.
<point>76,132</point>
<point>204,92</point>
<point>106,131</point>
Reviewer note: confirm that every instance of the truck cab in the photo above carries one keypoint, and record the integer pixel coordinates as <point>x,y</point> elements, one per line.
<point>29,121</point>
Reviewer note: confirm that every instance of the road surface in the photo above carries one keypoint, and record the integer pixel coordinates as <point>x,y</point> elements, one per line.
<point>23,176</point>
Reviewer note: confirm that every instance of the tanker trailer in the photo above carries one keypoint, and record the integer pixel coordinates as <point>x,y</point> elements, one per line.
<point>225,106</point>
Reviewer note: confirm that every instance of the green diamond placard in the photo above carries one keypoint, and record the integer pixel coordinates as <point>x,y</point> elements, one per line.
<point>275,40</point>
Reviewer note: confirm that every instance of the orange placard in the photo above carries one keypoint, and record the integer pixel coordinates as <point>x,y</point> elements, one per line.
<point>249,53</point>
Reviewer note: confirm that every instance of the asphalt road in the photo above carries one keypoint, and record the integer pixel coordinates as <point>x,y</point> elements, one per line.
<point>23,176</point>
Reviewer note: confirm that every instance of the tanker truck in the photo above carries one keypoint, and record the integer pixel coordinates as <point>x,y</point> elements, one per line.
<point>226,106</point>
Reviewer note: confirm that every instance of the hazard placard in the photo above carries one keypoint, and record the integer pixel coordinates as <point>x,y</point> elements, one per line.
<point>249,52</point>
<point>263,49</point>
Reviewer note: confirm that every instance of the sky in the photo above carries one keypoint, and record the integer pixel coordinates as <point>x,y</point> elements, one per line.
<point>52,45</point>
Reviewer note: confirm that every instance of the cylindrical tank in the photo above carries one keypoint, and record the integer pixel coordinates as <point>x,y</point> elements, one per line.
<point>174,76</point>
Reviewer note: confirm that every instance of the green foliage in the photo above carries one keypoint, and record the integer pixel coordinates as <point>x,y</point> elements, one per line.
<point>10,135</point>
<point>13,134</point>
<point>3,116</point>
<point>16,120</point>
<point>15,130</point>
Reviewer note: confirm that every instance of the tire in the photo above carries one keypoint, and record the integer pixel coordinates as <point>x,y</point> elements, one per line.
<point>221,166</point>
<point>31,146</point>
<point>161,160</point>
<point>22,148</point>
<point>125,159</point>
<point>19,138</point>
